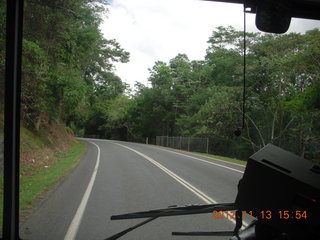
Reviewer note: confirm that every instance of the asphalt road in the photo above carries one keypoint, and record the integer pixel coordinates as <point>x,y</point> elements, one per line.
<point>119,177</point>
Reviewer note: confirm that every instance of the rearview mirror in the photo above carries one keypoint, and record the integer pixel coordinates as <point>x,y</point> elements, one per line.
<point>273,16</point>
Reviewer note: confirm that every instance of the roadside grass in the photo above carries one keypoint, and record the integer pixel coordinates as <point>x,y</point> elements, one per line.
<point>227,159</point>
<point>31,142</point>
<point>38,181</point>
<point>34,185</point>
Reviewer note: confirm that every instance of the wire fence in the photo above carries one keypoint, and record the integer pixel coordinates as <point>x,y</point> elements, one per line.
<point>184,143</point>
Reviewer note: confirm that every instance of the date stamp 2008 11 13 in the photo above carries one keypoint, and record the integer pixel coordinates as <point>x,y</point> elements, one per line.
<point>265,214</point>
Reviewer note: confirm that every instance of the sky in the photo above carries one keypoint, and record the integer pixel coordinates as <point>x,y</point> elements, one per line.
<point>158,30</point>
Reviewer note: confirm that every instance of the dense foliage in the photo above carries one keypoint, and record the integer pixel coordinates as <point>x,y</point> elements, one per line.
<point>67,71</point>
<point>204,98</point>
<point>68,77</point>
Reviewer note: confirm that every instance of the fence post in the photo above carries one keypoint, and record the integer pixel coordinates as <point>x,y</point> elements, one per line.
<point>192,144</point>
<point>207,145</point>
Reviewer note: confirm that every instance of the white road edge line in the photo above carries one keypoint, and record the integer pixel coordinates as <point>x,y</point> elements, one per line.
<point>180,180</point>
<point>199,159</point>
<point>74,226</point>
<point>216,159</point>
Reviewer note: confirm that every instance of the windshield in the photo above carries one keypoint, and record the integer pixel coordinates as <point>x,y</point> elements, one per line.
<point>130,106</point>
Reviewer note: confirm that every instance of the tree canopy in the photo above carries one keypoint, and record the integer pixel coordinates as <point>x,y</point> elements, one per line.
<point>68,77</point>
<point>204,98</point>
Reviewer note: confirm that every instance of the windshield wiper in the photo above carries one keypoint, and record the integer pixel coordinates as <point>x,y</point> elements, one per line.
<point>174,211</point>
<point>184,210</point>
<point>120,234</point>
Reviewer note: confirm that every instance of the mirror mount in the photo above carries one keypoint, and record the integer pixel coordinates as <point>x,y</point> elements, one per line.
<point>273,15</point>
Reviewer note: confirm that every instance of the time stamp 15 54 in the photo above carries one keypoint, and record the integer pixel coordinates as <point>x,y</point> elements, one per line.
<point>265,214</point>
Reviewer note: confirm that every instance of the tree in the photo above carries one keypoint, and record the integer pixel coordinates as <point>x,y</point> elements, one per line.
<point>67,62</point>
<point>108,89</point>
<point>203,98</point>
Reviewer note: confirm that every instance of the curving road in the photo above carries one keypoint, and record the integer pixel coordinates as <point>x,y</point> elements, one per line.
<point>119,177</point>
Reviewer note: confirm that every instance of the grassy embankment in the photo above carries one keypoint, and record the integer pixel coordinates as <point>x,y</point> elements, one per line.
<point>227,159</point>
<point>45,158</point>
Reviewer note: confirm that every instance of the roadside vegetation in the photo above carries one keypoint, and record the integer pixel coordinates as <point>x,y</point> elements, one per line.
<point>45,158</point>
<point>203,98</point>
<point>226,159</point>
<point>37,180</point>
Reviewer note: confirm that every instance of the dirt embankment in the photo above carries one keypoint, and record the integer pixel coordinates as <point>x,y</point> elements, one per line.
<point>37,148</point>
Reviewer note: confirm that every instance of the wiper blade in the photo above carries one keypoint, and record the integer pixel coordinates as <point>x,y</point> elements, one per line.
<point>120,234</point>
<point>175,211</point>
<point>216,234</point>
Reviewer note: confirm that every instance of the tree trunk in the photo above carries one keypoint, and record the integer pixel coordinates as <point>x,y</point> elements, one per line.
<point>38,122</point>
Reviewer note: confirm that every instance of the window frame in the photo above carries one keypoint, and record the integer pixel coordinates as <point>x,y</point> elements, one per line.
<point>14,27</point>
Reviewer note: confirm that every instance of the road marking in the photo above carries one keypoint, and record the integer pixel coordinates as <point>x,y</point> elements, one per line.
<point>180,180</point>
<point>74,226</point>
<point>199,159</point>
<point>216,159</point>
